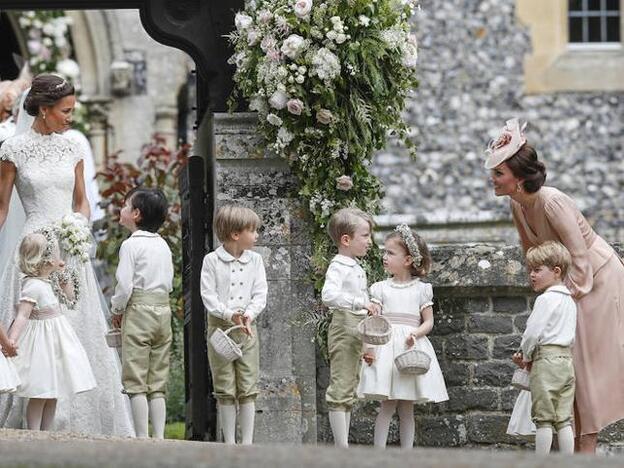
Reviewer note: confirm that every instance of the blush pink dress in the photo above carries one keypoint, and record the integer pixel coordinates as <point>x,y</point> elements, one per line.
<point>596,280</point>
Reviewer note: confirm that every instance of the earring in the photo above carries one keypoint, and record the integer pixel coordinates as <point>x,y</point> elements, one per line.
<point>519,187</point>
<point>44,115</point>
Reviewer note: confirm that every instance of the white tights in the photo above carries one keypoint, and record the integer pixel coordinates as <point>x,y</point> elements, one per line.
<point>40,413</point>
<point>543,440</point>
<point>406,426</point>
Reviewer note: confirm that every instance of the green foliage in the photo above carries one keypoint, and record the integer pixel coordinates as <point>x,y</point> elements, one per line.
<point>329,85</point>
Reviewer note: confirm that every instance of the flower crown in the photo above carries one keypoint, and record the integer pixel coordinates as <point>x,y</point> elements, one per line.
<point>50,234</point>
<point>510,139</point>
<point>412,247</point>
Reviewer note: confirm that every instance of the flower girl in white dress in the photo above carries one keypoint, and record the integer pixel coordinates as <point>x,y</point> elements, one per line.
<point>406,302</point>
<point>51,361</point>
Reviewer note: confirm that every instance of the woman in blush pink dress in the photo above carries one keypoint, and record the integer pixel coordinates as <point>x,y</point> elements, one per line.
<point>596,279</point>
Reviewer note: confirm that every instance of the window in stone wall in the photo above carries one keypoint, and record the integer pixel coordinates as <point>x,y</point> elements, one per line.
<point>594,22</point>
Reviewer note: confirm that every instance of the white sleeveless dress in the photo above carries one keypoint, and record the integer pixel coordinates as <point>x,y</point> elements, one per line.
<point>402,304</point>
<point>45,179</point>
<point>50,361</point>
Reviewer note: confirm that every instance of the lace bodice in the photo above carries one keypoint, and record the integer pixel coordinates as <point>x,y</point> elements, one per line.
<point>45,175</point>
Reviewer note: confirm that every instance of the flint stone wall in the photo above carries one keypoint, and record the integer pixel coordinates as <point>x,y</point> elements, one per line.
<point>482,302</point>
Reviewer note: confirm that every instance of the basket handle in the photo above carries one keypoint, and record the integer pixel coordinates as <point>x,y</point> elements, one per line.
<point>231,329</point>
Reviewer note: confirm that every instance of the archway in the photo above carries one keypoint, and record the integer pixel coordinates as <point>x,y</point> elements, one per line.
<point>197,28</point>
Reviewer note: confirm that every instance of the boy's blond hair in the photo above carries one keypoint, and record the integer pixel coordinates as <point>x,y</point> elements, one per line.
<point>231,219</point>
<point>32,254</point>
<point>551,254</point>
<point>345,221</point>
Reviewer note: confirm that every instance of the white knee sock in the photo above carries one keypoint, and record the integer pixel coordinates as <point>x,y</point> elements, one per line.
<point>138,402</point>
<point>338,423</point>
<point>565,437</point>
<point>158,415</point>
<point>382,423</point>
<point>347,425</point>
<point>227,416</point>
<point>543,440</point>
<point>47,417</point>
<point>406,423</point>
<point>246,418</point>
<point>34,413</point>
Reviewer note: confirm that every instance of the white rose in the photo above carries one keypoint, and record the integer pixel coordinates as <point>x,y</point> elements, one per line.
<point>68,68</point>
<point>364,20</point>
<point>302,8</point>
<point>274,120</point>
<point>278,99</point>
<point>292,46</point>
<point>242,21</point>
<point>300,79</point>
<point>324,116</point>
<point>344,183</point>
<point>295,106</point>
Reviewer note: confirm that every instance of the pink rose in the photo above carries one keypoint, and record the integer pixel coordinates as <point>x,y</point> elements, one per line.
<point>503,140</point>
<point>295,106</point>
<point>302,8</point>
<point>324,116</point>
<point>344,183</point>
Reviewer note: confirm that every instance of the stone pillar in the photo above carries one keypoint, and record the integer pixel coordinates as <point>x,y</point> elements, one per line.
<point>166,124</point>
<point>98,109</point>
<point>245,174</point>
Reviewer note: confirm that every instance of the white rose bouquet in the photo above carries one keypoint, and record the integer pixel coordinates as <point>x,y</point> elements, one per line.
<point>75,236</point>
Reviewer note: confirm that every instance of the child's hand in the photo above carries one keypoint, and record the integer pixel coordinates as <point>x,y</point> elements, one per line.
<point>239,319</point>
<point>518,360</point>
<point>411,339</point>
<point>528,366</point>
<point>247,322</point>
<point>10,349</point>
<point>369,358</point>
<point>373,308</point>
<point>116,320</point>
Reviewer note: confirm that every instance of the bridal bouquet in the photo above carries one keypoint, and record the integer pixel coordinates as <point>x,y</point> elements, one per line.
<point>75,236</point>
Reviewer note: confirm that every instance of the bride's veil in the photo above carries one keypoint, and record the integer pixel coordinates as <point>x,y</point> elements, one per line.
<point>12,228</point>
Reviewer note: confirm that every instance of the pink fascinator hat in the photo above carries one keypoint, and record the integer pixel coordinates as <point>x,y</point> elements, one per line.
<point>509,140</point>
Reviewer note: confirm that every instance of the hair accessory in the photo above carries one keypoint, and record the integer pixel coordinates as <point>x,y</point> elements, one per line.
<point>61,84</point>
<point>410,242</point>
<point>510,139</point>
<point>50,234</point>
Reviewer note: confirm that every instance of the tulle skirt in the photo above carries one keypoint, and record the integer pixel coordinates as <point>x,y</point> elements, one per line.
<point>51,362</point>
<point>383,381</point>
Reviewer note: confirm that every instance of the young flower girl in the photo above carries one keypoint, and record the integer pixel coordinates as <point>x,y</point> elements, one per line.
<point>406,302</point>
<point>51,361</point>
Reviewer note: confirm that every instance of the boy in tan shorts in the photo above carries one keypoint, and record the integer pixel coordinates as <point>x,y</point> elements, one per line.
<point>345,292</point>
<point>234,292</point>
<point>547,347</point>
<point>141,309</point>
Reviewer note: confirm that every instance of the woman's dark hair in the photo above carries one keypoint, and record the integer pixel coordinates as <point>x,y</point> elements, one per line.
<point>525,165</point>
<point>153,206</point>
<point>46,90</point>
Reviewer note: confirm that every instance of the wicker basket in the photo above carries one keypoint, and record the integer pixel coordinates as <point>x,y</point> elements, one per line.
<point>113,338</point>
<point>413,361</point>
<point>375,330</point>
<point>520,379</point>
<point>225,346</point>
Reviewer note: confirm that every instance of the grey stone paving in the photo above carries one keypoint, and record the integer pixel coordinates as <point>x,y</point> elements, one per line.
<point>24,448</point>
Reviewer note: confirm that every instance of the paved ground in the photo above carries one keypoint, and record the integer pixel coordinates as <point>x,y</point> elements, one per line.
<point>24,449</point>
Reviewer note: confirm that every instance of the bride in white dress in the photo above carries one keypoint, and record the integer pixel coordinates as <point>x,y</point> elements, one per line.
<point>47,170</point>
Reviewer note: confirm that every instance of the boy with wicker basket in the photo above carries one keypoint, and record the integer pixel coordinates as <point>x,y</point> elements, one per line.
<point>141,308</point>
<point>234,292</point>
<point>345,292</point>
<point>547,347</point>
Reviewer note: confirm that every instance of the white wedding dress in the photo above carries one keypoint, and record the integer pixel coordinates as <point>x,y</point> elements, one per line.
<point>45,182</point>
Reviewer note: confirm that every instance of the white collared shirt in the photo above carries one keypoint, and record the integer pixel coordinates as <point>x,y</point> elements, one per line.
<point>552,321</point>
<point>144,263</point>
<point>230,284</point>
<point>345,285</point>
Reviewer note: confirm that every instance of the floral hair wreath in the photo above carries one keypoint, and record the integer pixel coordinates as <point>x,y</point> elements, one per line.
<point>412,247</point>
<point>50,234</point>
<point>509,140</point>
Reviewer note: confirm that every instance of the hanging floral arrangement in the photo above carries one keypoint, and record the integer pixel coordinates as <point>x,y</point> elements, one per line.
<point>329,81</point>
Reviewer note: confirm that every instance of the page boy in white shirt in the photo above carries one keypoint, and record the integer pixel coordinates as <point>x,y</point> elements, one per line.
<point>234,292</point>
<point>141,308</point>
<point>547,347</point>
<point>345,292</point>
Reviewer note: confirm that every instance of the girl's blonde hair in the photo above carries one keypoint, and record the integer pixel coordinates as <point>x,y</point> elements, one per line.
<point>422,269</point>
<point>232,218</point>
<point>32,253</point>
